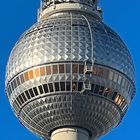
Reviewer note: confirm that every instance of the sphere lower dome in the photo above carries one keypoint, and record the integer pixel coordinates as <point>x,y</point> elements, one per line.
<point>45,75</point>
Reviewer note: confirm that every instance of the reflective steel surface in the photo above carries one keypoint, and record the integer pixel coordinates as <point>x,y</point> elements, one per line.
<point>45,76</point>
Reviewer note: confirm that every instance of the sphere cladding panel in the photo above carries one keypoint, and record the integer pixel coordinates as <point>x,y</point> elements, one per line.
<point>67,37</point>
<point>48,113</point>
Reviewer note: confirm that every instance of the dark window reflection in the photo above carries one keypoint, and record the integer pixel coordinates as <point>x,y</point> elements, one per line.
<point>23,96</point>
<point>68,68</point>
<point>114,96</point>
<point>68,86</point>
<point>62,85</point>
<point>74,68</point>
<point>21,99</point>
<point>81,68</point>
<point>27,94</point>
<point>45,88</point>
<point>101,90</point>
<point>51,87</point>
<point>22,78</point>
<point>74,86</point>
<point>35,91</point>
<point>41,89</point>
<point>97,87</point>
<point>56,86</point>
<point>61,68</point>
<point>31,92</point>
<point>80,86</point>
<point>18,81</point>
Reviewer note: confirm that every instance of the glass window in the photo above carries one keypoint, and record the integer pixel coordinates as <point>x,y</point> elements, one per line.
<point>17,103</point>
<point>62,85</point>
<point>92,87</point>
<point>45,88</point>
<point>26,76</point>
<point>31,92</point>
<point>114,96</point>
<point>118,99</point>
<point>51,87</point>
<point>12,84</point>
<point>100,72</point>
<point>74,68</point>
<point>23,96</point>
<point>108,93</point>
<point>110,75</point>
<point>105,73</point>
<point>97,87</point>
<point>61,68</point>
<point>15,84</point>
<point>20,98</point>
<point>68,86</point>
<point>95,70</point>
<point>48,70</point>
<point>81,69</point>
<point>18,81</point>
<point>123,82</point>
<point>56,86</point>
<point>42,71</point>
<point>55,69</point>
<point>27,94</point>
<point>22,78</point>
<point>101,90</point>
<point>9,90</point>
<point>35,91</point>
<point>80,86</point>
<point>119,80</point>
<point>40,89</point>
<point>37,74</point>
<point>115,79</point>
<point>31,74</point>
<point>68,68</point>
<point>126,84</point>
<point>74,86</point>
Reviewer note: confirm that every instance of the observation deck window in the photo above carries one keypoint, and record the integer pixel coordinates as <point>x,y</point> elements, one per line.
<point>41,89</point>
<point>31,74</point>
<point>42,71</point>
<point>48,70</point>
<point>61,68</point>
<point>55,69</point>
<point>45,86</point>
<point>35,91</point>
<point>56,86</point>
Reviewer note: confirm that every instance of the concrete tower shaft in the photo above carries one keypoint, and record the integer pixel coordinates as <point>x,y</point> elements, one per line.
<point>70,134</point>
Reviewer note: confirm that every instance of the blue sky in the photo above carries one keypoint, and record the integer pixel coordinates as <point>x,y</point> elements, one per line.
<point>18,15</point>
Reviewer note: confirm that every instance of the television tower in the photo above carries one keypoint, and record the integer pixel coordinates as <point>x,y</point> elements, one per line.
<point>70,76</point>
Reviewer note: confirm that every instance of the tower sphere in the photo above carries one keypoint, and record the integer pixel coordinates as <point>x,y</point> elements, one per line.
<point>70,70</point>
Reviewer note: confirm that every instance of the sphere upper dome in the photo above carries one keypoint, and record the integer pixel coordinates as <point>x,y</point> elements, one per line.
<point>69,37</point>
<point>70,69</point>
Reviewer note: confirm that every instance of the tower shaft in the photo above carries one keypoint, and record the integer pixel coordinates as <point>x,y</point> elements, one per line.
<point>70,134</point>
